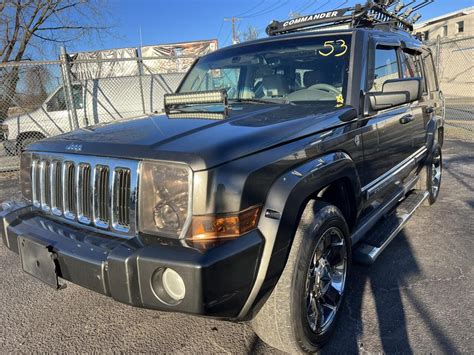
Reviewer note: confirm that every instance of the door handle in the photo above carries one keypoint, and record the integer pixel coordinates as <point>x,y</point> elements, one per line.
<point>429,110</point>
<point>406,119</point>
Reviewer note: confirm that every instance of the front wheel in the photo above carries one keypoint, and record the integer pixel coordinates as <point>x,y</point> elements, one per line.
<point>301,313</point>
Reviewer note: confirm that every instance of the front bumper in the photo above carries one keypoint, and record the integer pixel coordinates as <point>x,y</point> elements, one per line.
<point>218,281</point>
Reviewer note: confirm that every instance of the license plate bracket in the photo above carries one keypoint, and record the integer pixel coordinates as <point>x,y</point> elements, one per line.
<point>39,261</point>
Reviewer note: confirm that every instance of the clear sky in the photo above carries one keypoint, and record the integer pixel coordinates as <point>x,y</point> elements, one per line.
<point>170,21</point>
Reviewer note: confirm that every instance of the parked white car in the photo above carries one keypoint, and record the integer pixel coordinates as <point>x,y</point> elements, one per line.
<point>95,101</point>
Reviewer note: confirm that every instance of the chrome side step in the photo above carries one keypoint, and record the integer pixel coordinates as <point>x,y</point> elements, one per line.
<point>377,239</point>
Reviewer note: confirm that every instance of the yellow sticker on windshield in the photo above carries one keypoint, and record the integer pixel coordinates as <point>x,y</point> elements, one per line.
<point>340,100</point>
<point>337,48</point>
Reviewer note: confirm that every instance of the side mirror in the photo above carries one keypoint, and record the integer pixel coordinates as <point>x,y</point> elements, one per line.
<point>396,92</point>
<point>381,101</point>
<point>414,87</point>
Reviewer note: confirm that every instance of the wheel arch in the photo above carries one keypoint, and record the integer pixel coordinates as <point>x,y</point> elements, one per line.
<point>285,203</point>
<point>434,132</point>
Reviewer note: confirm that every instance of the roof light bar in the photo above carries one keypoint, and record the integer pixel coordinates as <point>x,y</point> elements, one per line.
<point>195,98</point>
<point>369,15</point>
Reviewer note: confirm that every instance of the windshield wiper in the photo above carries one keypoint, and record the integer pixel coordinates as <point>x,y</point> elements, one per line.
<point>261,101</point>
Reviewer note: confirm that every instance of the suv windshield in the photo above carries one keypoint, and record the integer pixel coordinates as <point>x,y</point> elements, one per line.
<point>308,70</point>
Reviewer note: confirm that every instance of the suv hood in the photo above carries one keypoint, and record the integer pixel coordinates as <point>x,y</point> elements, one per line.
<point>202,143</point>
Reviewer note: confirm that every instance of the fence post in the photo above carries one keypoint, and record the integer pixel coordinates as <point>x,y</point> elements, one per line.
<point>67,85</point>
<point>140,74</point>
<point>438,53</point>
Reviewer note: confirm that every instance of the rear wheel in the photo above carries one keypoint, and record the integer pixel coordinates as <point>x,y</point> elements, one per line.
<point>301,313</point>
<point>434,174</point>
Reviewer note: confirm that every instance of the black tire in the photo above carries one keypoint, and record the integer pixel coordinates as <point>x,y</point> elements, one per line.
<point>284,321</point>
<point>434,174</point>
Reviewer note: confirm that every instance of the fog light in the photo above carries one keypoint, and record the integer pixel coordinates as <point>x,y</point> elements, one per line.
<point>173,284</point>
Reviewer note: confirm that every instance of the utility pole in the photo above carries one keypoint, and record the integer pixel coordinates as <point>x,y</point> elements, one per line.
<point>235,36</point>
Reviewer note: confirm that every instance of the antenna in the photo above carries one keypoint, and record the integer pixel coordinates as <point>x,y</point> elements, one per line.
<point>385,3</point>
<point>416,17</point>
<point>406,5</point>
<point>407,13</point>
<point>399,7</point>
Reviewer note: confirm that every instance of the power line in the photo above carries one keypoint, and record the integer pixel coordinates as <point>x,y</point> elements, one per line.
<point>220,29</point>
<point>343,3</point>
<point>306,5</point>
<point>277,6</point>
<point>320,7</point>
<point>251,9</point>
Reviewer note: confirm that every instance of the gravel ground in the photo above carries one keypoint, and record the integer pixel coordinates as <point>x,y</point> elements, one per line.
<point>416,298</point>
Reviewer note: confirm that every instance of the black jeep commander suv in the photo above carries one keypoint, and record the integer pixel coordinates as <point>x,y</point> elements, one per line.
<point>276,164</point>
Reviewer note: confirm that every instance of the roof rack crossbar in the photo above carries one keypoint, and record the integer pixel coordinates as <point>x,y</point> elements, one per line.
<point>369,15</point>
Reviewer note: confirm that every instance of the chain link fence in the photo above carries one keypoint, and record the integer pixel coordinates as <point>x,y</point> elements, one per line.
<point>44,99</point>
<point>454,60</point>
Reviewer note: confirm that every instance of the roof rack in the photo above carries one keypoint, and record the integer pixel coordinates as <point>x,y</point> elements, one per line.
<point>372,14</point>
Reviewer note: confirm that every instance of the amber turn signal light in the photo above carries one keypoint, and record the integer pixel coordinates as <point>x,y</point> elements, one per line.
<point>224,226</point>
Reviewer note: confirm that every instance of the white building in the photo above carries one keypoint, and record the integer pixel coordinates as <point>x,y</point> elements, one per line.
<point>451,37</point>
<point>451,25</point>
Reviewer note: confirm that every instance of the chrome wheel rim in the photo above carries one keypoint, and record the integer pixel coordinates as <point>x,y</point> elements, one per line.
<point>325,280</point>
<point>436,172</point>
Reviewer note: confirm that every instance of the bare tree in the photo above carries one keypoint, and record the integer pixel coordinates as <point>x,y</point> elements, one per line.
<point>29,26</point>
<point>37,78</point>
<point>250,34</point>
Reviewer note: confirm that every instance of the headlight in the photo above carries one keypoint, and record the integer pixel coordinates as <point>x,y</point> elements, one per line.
<point>165,198</point>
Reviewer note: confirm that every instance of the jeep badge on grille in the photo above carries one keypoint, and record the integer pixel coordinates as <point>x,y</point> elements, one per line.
<point>74,147</point>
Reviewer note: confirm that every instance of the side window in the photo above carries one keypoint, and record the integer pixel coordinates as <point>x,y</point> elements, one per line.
<point>430,72</point>
<point>385,67</point>
<point>412,67</point>
<point>58,101</point>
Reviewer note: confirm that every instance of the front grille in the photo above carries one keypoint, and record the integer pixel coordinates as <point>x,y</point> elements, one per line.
<point>100,193</point>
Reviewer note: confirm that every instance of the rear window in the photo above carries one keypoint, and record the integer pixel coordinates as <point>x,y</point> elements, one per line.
<point>430,72</point>
<point>412,67</point>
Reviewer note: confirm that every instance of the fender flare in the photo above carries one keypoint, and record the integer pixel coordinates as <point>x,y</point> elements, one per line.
<point>287,197</point>
<point>432,128</point>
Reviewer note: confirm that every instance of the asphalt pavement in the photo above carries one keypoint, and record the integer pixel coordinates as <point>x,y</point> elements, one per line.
<point>417,297</point>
